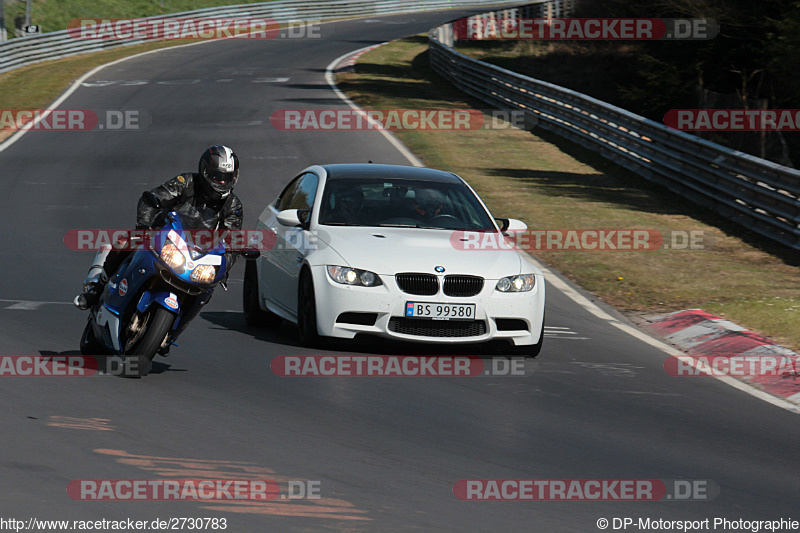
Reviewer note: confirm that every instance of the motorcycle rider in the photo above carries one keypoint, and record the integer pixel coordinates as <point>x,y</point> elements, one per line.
<point>211,187</point>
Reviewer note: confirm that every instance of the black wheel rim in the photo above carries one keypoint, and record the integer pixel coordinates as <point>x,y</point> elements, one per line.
<point>145,318</point>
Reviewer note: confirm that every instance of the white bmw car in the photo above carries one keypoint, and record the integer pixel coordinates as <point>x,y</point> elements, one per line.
<point>377,249</point>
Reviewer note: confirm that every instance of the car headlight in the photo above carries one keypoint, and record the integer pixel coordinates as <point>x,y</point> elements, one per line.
<point>204,274</point>
<point>172,256</point>
<point>353,276</point>
<point>521,283</point>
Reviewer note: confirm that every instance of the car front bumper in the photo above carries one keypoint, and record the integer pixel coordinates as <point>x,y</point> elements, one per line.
<point>512,317</point>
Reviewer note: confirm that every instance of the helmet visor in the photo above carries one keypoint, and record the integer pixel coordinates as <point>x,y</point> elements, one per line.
<point>223,178</point>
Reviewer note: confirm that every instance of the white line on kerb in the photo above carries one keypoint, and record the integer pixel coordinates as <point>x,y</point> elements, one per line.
<point>556,281</point>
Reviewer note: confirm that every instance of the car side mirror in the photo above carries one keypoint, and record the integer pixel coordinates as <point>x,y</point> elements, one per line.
<point>511,225</point>
<point>289,218</point>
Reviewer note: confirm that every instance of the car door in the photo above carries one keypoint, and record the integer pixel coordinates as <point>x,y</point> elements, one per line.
<point>291,245</point>
<point>267,263</point>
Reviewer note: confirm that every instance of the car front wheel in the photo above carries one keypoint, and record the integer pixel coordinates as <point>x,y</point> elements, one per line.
<point>253,314</point>
<point>307,312</point>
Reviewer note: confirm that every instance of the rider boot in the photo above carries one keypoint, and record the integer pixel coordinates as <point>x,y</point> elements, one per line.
<point>95,281</point>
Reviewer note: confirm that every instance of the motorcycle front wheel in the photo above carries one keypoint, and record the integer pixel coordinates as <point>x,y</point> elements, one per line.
<point>146,333</point>
<point>89,344</point>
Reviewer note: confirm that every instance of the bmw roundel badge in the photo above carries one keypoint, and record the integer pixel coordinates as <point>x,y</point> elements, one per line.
<point>439,269</point>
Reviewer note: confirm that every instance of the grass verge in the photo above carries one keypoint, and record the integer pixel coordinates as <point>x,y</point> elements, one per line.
<point>54,15</point>
<point>553,184</point>
<point>36,86</point>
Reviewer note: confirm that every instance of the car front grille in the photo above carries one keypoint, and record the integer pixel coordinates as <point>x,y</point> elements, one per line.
<point>420,284</point>
<point>462,285</point>
<point>421,327</point>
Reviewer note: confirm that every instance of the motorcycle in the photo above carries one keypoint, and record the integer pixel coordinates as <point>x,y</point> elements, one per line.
<point>157,291</point>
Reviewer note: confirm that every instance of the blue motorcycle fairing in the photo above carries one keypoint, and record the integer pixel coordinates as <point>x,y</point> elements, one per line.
<point>167,300</point>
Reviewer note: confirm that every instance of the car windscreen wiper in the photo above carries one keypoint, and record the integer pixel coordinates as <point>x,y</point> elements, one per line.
<point>342,224</point>
<point>399,225</point>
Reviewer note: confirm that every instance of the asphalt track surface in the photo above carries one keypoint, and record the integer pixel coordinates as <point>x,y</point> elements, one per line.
<point>386,452</point>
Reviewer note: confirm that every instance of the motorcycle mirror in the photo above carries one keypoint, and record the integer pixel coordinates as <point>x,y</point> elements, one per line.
<point>250,253</point>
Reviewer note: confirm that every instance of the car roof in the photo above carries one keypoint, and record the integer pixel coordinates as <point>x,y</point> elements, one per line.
<point>393,172</point>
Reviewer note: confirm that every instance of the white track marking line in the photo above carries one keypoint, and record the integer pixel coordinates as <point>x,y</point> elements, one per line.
<point>389,137</point>
<point>28,305</point>
<point>79,82</point>
<point>76,85</point>
<point>557,282</point>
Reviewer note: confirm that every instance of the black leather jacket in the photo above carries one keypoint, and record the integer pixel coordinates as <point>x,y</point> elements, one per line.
<point>185,188</point>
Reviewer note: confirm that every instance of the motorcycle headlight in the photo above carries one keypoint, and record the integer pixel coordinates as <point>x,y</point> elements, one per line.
<point>353,276</point>
<point>204,274</point>
<point>172,256</point>
<point>521,283</point>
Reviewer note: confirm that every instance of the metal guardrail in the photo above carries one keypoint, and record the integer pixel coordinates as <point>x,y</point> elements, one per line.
<point>757,194</point>
<point>24,51</point>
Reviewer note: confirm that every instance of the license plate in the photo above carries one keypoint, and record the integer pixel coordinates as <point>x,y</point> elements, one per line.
<point>438,311</point>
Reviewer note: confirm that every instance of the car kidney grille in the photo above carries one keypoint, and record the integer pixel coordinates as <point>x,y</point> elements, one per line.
<point>462,285</point>
<point>420,284</point>
<point>421,327</point>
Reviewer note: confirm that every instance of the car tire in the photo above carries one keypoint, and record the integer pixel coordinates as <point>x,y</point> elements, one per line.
<point>307,311</point>
<point>253,314</point>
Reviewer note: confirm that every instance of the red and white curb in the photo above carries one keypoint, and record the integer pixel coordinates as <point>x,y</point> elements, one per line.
<point>348,63</point>
<point>702,334</point>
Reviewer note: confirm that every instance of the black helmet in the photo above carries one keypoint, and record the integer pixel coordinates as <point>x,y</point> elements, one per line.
<point>219,170</point>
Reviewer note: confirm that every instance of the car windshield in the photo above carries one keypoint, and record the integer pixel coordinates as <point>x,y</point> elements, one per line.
<point>402,203</point>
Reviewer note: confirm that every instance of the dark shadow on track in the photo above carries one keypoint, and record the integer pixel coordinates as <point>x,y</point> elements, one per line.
<point>286,335</point>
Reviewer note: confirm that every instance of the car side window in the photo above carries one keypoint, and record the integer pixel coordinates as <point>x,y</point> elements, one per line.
<point>285,197</point>
<point>305,192</point>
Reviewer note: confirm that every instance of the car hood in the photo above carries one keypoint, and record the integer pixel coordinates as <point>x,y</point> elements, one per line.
<point>388,251</point>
